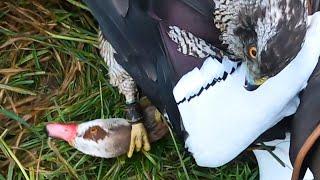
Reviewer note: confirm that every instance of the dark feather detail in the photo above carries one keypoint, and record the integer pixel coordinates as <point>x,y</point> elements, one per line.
<point>144,49</point>
<point>135,38</point>
<point>122,6</point>
<point>205,8</point>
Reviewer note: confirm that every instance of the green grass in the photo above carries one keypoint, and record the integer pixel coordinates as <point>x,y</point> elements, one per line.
<point>51,71</point>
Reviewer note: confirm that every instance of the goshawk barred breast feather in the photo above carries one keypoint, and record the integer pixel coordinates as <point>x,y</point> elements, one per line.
<point>266,34</point>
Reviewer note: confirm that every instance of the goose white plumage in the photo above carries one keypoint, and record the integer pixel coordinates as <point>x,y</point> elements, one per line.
<point>270,168</point>
<point>230,117</point>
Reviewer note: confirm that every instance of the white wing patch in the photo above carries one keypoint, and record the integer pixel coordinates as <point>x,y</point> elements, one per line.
<point>211,72</point>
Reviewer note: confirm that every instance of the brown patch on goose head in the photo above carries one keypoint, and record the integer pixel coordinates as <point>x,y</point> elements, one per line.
<point>95,133</point>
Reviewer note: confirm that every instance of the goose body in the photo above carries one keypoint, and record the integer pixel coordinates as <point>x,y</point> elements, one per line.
<point>304,121</point>
<point>233,117</point>
<point>106,138</point>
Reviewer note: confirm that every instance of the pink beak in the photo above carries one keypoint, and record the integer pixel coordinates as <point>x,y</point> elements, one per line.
<point>65,132</point>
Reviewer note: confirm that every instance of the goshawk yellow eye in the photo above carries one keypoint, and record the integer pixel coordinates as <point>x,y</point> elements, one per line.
<point>252,52</point>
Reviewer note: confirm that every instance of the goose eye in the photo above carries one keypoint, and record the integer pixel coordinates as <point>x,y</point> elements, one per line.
<point>252,52</point>
<point>93,130</point>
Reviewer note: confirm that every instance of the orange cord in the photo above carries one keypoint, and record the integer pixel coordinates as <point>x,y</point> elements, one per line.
<point>312,139</point>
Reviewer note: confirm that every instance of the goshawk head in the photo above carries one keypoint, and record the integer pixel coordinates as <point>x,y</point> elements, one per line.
<point>266,34</point>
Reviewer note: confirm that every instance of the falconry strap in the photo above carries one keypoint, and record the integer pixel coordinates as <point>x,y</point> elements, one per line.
<point>312,139</point>
<point>134,112</point>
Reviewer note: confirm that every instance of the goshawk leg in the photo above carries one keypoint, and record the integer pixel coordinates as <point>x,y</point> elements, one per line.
<point>120,78</point>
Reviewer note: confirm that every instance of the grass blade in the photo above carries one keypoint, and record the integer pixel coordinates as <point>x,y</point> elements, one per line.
<point>78,4</point>
<point>15,117</point>
<point>178,152</point>
<point>17,90</point>
<point>5,149</point>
